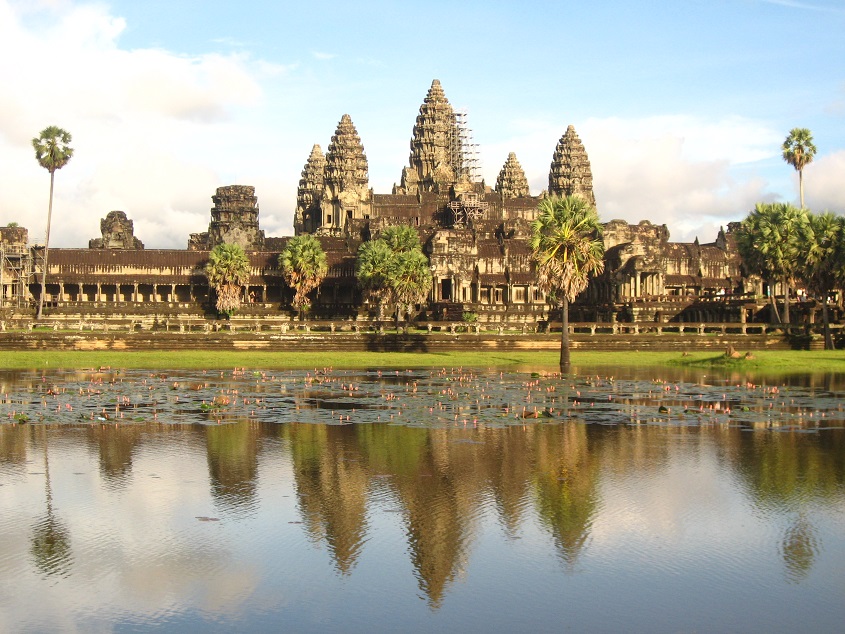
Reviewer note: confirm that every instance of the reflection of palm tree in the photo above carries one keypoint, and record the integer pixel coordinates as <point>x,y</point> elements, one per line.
<point>567,482</point>
<point>50,537</point>
<point>115,445</point>
<point>784,473</point>
<point>332,487</point>
<point>233,463</point>
<point>798,549</point>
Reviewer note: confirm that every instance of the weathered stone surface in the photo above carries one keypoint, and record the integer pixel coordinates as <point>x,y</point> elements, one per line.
<point>234,220</point>
<point>512,182</point>
<point>118,232</point>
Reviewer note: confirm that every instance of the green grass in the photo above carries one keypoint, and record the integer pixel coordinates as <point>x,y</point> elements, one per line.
<point>775,361</point>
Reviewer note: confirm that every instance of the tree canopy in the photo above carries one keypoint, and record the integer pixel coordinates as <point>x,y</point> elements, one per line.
<point>228,270</point>
<point>799,151</point>
<point>393,269</point>
<point>304,266</point>
<point>769,242</point>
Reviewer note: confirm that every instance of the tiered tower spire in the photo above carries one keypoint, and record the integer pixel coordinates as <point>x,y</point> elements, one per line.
<point>570,172</point>
<point>346,193</point>
<point>512,182</point>
<point>432,146</point>
<point>307,216</point>
<point>346,163</point>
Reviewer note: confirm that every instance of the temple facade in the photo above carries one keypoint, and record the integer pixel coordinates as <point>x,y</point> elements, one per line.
<point>474,235</point>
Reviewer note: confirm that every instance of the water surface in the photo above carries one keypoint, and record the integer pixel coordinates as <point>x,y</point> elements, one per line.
<point>454,499</point>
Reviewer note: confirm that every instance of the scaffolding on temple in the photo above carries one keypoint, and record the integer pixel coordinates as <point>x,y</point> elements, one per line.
<point>15,275</point>
<point>466,159</point>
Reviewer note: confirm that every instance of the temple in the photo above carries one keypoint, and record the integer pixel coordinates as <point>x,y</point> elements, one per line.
<point>474,235</point>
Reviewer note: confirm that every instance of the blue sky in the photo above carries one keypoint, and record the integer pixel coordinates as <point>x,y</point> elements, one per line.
<point>682,106</point>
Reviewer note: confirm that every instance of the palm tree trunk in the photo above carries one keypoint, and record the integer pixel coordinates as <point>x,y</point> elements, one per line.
<point>774,305</point>
<point>786,319</point>
<point>801,186</point>
<point>564,336</point>
<point>828,339</point>
<point>40,310</point>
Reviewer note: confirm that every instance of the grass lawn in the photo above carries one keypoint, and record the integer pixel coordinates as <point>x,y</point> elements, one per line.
<point>775,361</point>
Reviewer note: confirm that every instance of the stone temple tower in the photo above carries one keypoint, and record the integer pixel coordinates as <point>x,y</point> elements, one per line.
<point>307,217</point>
<point>512,182</point>
<point>570,172</point>
<point>234,219</point>
<point>346,192</point>
<point>432,146</point>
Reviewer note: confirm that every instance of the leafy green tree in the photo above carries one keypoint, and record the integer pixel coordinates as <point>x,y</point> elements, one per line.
<point>228,271</point>
<point>393,270</point>
<point>410,280</point>
<point>372,268</point>
<point>52,151</point>
<point>769,240</point>
<point>567,246</point>
<point>798,151</point>
<point>304,267</point>
<point>821,267</point>
<point>401,238</point>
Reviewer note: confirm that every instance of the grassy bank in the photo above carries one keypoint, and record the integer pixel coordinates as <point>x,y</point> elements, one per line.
<point>775,361</point>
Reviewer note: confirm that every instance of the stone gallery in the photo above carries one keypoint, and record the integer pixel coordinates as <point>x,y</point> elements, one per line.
<point>473,234</point>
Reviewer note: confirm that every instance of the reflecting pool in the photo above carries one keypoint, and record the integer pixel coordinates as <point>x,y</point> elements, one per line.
<point>419,500</point>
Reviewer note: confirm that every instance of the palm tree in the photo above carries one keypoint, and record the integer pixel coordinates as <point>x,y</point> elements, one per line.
<point>304,266</point>
<point>823,261</point>
<point>52,151</point>
<point>567,247</point>
<point>401,238</point>
<point>228,271</point>
<point>769,241</point>
<point>410,280</point>
<point>798,151</point>
<point>372,268</point>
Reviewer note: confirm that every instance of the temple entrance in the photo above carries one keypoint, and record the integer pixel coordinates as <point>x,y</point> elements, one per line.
<point>446,289</point>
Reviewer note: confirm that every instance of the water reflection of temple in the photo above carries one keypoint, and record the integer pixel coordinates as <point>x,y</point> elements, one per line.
<point>444,483</point>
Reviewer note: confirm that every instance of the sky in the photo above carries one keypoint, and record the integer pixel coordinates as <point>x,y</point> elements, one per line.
<point>682,106</point>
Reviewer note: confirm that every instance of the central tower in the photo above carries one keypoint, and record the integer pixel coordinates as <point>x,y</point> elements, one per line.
<point>431,166</point>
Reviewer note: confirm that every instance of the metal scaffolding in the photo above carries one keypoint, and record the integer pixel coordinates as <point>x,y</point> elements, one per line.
<point>15,275</point>
<point>466,158</point>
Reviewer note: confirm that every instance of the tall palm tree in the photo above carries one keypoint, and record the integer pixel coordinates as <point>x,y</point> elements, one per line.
<point>410,280</point>
<point>567,247</point>
<point>798,151</point>
<point>304,266</point>
<point>228,271</point>
<point>52,151</point>
<point>372,268</point>
<point>823,261</point>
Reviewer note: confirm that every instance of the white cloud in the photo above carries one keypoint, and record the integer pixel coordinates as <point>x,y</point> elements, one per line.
<point>677,170</point>
<point>147,125</point>
<point>824,183</point>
